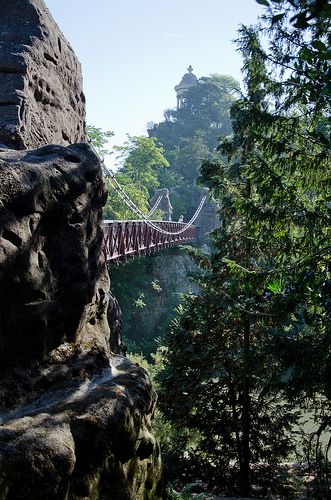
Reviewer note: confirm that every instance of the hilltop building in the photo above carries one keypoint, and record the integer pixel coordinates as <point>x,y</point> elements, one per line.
<point>188,81</point>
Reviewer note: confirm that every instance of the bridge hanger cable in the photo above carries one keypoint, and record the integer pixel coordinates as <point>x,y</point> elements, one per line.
<point>108,173</point>
<point>157,203</point>
<point>120,191</point>
<point>127,200</point>
<point>152,210</point>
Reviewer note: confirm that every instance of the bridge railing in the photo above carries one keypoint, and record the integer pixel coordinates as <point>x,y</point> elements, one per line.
<point>129,238</point>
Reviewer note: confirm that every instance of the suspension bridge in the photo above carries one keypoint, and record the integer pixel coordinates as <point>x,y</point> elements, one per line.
<point>129,238</point>
<point>123,239</point>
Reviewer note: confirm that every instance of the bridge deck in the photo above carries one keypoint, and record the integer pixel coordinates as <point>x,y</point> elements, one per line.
<point>128,238</point>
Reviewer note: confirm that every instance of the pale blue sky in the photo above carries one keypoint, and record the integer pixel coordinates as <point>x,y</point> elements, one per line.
<point>133,52</point>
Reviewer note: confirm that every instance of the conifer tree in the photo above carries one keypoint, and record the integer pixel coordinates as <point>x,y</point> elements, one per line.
<point>240,351</point>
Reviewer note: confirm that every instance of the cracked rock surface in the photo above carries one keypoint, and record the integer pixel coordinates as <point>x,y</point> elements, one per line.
<point>53,280</point>
<point>41,89</point>
<point>75,418</point>
<point>83,429</point>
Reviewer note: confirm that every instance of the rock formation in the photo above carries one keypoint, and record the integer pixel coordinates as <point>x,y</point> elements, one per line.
<point>75,417</point>
<point>208,219</point>
<point>114,316</point>
<point>41,91</point>
<point>53,282</point>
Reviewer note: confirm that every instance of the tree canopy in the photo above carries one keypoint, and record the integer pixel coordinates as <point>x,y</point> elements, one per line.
<point>191,133</point>
<point>142,166</point>
<point>206,107</point>
<point>99,138</point>
<point>253,346</point>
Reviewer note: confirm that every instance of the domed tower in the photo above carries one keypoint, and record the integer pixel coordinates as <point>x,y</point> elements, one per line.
<point>188,81</point>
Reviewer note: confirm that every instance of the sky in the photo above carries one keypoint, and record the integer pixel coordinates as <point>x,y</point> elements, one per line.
<point>133,52</point>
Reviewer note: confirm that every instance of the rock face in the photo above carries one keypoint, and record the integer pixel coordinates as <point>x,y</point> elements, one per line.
<point>114,315</point>
<point>207,220</point>
<point>53,282</point>
<point>82,430</point>
<point>164,204</point>
<point>75,419</point>
<point>41,93</point>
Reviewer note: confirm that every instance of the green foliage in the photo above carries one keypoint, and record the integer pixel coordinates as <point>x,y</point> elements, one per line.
<point>156,285</point>
<point>165,431</point>
<point>303,14</point>
<point>254,344</point>
<point>142,164</point>
<point>205,377</point>
<point>188,155</point>
<point>116,208</point>
<point>187,137</point>
<point>190,134</point>
<point>142,161</point>
<point>186,493</point>
<point>139,302</point>
<point>99,139</point>
<point>206,108</point>
<point>129,281</point>
<point>148,290</point>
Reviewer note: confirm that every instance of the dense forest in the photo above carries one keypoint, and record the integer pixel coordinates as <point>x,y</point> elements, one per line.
<point>237,334</point>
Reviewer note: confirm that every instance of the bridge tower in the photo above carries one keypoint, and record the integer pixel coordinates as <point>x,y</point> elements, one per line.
<point>188,81</point>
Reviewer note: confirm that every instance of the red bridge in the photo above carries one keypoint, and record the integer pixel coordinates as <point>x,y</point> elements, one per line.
<point>124,239</point>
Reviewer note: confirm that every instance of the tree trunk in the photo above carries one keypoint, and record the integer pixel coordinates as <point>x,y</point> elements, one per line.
<point>246,454</point>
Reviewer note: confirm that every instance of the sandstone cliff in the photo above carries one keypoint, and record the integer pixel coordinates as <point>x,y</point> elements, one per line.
<point>75,415</point>
<point>41,91</point>
<point>75,419</point>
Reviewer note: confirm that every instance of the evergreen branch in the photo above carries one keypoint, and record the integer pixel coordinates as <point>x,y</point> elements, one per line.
<point>286,269</point>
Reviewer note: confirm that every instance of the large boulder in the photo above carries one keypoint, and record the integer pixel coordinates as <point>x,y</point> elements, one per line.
<point>81,429</point>
<point>41,91</point>
<point>75,419</point>
<point>53,279</point>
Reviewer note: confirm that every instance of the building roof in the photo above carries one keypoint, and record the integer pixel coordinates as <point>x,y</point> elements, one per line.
<point>189,80</point>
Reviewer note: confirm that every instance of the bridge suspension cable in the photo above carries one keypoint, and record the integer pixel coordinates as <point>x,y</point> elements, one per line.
<point>120,191</point>
<point>156,204</point>
<point>108,174</point>
<point>127,200</point>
